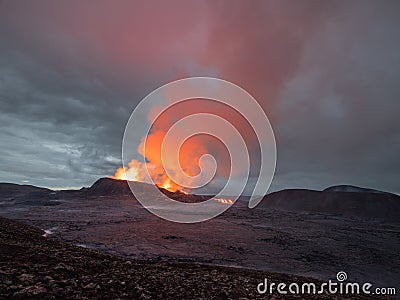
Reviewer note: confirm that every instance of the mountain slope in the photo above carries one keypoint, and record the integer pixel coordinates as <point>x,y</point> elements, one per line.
<point>108,187</point>
<point>352,204</point>
<point>353,189</point>
<point>15,190</point>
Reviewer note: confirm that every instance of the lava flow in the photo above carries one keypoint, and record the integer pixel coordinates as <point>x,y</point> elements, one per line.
<point>224,201</point>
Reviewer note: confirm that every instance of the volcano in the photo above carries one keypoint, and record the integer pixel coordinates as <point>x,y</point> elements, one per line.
<point>120,188</point>
<point>301,232</point>
<point>345,200</point>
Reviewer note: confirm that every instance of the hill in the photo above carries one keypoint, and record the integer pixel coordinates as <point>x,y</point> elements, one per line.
<point>353,189</point>
<point>352,204</point>
<point>13,190</point>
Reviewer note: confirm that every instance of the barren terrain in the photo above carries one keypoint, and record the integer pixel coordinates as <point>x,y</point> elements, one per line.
<point>301,243</point>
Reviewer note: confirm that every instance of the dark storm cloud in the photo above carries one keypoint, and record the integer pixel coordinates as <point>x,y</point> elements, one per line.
<point>325,72</point>
<point>56,130</point>
<point>342,104</point>
<point>66,94</point>
<point>327,75</point>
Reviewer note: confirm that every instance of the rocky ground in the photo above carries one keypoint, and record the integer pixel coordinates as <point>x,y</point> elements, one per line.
<point>298,243</point>
<point>35,267</point>
<point>299,240</point>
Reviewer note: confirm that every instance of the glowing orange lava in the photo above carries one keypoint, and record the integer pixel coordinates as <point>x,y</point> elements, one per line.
<point>224,201</point>
<point>152,171</point>
<point>135,172</point>
<point>167,184</point>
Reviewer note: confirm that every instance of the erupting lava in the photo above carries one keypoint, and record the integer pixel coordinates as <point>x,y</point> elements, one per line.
<point>134,173</point>
<point>153,170</point>
<point>169,186</point>
<point>150,149</point>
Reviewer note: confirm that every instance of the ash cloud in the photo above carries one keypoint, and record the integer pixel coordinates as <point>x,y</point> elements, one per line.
<point>326,74</point>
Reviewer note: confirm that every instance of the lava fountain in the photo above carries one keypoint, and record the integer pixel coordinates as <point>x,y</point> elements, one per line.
<point>189,157</point>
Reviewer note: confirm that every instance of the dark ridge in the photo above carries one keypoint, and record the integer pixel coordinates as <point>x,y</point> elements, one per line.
<point>353,189</point>
<point>31,195</point>
<point>186,198</point>
<point>115,187</point>
<point>108,187</point>
<point>11,194</point>
<point>13,189</point>
<point>352,204</point>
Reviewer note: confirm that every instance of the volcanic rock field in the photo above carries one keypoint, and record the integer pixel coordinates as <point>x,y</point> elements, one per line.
<point>355,232</point>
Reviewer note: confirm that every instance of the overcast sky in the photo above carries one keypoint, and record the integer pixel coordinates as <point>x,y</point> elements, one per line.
<point>327,73</point>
